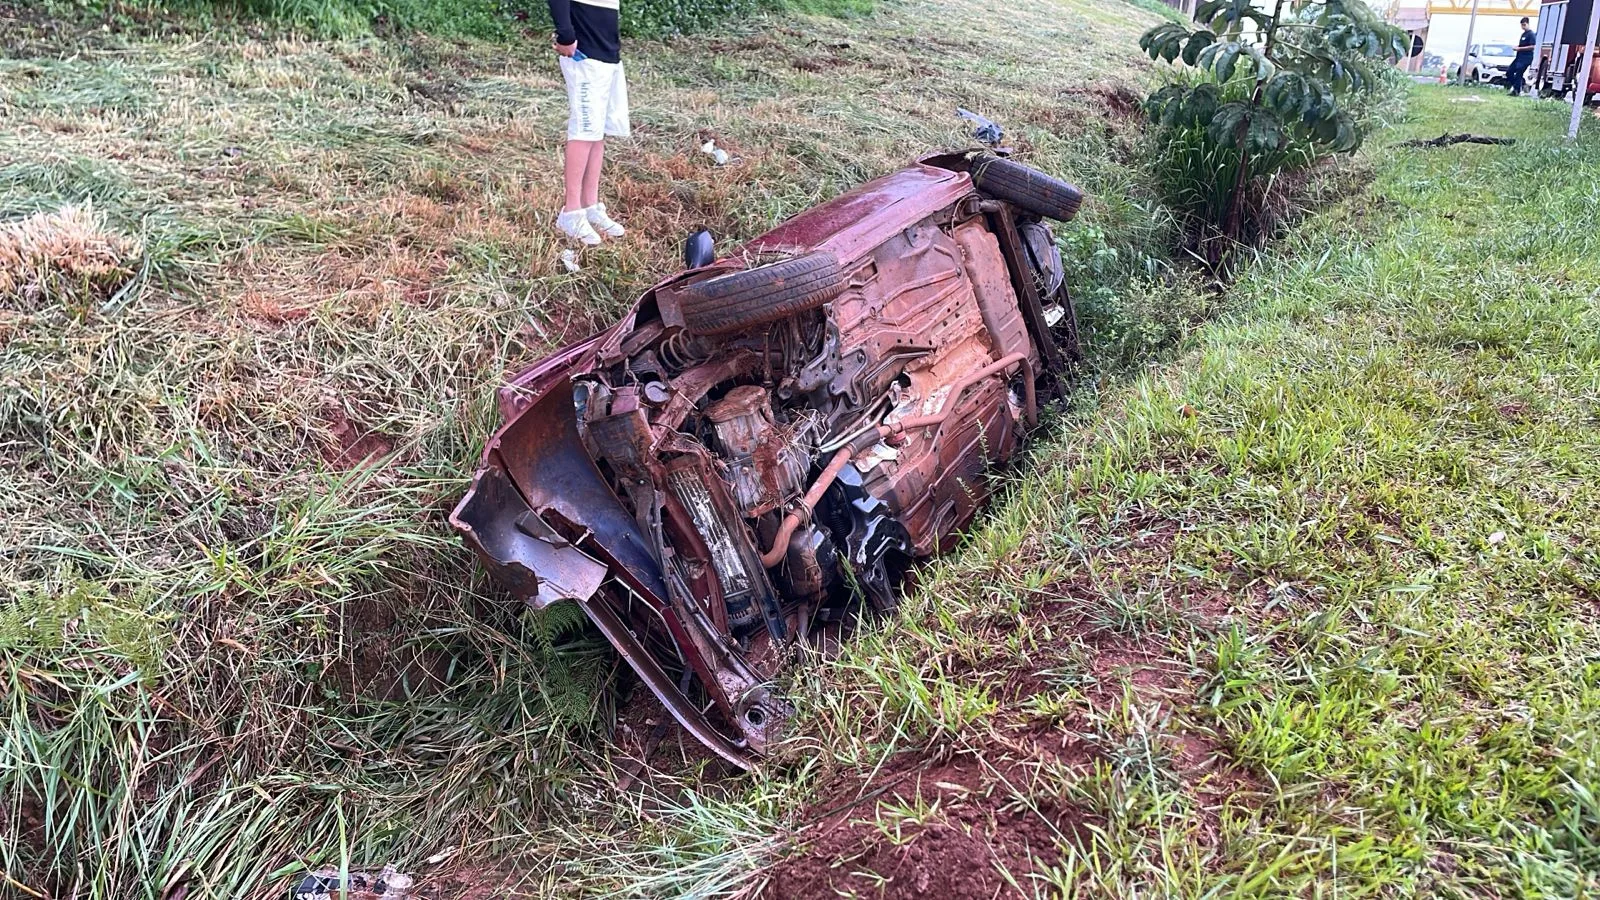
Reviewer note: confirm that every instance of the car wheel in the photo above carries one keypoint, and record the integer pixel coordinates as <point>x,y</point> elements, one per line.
<point>1026,188</point>
<point>758,296</point>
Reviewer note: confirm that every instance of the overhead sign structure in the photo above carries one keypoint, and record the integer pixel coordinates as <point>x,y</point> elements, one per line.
<point>1518,8</point>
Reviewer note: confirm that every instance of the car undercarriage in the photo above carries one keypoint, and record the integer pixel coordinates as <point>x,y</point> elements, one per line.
<point>759,450</point>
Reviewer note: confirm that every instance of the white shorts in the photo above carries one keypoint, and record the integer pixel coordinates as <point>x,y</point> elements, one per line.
<point>598,94</point>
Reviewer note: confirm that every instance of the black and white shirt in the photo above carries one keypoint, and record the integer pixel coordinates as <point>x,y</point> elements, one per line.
<point>592,23</point>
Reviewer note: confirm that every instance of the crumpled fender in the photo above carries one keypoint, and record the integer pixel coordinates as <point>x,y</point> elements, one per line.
<point>537,497</point>
<point>537,492</point>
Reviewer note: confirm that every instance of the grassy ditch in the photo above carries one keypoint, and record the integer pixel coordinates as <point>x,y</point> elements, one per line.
<point>1312,611</point>
<point>243,379</point>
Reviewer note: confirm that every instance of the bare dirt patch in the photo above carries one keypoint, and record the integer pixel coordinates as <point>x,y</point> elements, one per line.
<point>1116,99</point>
<point>1087,682</point>
<point>947,829</point>
<point>352,443</point>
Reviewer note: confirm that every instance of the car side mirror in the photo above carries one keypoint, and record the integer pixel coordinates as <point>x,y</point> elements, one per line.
<point>699,249</point>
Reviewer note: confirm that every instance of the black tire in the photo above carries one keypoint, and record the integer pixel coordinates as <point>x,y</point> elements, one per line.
<point>752,297</point>
<point>1026,188</point>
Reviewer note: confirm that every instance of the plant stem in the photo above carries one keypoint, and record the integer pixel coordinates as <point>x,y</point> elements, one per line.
<point>1231,224</point>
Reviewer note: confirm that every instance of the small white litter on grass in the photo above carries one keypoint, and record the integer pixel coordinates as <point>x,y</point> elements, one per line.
<point>326,883</point>
<point>717,154</point>
<point>569,258</point>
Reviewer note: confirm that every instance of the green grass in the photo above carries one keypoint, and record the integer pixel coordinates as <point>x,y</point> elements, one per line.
<point>837,8</point>
<point>1161,9</point>
<point>1309,611</point>
<point>482,19</point>
<point>233,651</point>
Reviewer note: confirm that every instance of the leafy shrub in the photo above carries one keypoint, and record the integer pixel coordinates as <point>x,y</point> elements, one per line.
<point>1130,312</point>
<point>1258,103</point>
<point>1199,177</point>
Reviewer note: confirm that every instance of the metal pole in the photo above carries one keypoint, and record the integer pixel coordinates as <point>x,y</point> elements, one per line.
<point>1582,87</point>
<point>1472,25</point>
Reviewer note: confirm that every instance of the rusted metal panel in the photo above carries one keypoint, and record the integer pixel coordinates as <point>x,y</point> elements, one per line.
<point>1003,225</point>
<point>935,487</point>
<point>543,456</point>
<point>656,679</point>
<point>991,285</point>
<point>525,553</point>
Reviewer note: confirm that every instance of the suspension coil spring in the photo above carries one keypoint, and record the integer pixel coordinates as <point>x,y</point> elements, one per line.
<point>679,350</point>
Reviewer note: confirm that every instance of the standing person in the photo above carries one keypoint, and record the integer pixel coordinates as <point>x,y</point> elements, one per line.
<point>589,42</point>
<point>1524,59</point>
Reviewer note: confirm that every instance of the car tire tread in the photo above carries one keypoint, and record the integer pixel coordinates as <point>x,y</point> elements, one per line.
<point>1026,187</point>
<point>759,296</point>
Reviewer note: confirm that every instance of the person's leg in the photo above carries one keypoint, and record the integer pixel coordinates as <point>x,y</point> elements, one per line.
<point>591,176</point>
<point>573,221</point>
<point>593,208</point>
<point>583,132</point>
<point>578,155</point>
<point>616,125</point>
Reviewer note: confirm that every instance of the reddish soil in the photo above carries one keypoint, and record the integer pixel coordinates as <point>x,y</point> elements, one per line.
<point>1118,99</point>
<point>972,825</point>
<point>648,740</point>
<point>966,832</point>
<point>352,443</point>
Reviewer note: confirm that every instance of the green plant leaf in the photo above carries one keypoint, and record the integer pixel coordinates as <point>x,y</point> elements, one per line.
<point>1322,103</point>
<point>1201,103</point>
<point>1160,105</point>
<point>1163,41</point>
<point>1198,42</point>
<point>1265,131</point>
<point>1227,123</point>
<point>1260,64</point>
<point>1226,60</point>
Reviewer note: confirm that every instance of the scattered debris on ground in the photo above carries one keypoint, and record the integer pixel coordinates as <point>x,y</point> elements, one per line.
<point>327,884</point>
<point>1448,140</point>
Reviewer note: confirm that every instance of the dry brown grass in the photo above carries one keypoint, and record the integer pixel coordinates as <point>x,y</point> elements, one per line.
<point>67,255</point>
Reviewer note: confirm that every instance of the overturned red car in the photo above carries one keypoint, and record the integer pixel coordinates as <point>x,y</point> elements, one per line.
<point>766,441</point>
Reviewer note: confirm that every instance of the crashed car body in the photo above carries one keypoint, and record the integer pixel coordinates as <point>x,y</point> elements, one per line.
<point>766,441</point>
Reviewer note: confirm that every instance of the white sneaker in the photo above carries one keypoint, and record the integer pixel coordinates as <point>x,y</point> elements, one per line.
<point>575,225</point>
<point>604,223</point>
